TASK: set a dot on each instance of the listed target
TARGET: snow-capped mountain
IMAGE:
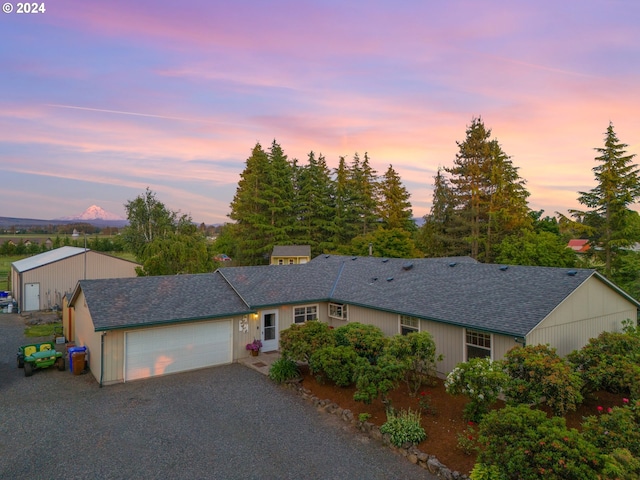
(94, 212)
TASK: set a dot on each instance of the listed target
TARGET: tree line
(480, 209)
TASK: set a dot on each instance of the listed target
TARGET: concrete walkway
(262, 362)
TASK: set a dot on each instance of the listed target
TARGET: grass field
(5, 268)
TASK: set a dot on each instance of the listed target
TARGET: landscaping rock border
(410, 452)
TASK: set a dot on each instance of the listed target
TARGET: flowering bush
(610, 362)
(256, 345)
(522, 443)
(424, 400)
(539, 375)
(618, 427)
(468, 440)
(481, 380)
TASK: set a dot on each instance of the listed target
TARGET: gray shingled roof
(291, 251)
(130, 302)
(458, 291)
(273, 285)
(482, 296)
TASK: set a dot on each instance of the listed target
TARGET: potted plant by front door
(254, 347)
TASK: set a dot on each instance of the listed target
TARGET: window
(478, 344)
(280, 261)
(338, 310)
(304, 314)
(409, 324)
(291, 262)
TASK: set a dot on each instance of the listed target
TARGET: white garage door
(162, 350)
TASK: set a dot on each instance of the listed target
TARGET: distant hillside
(23, 223)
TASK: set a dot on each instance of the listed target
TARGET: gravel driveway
(226, 422)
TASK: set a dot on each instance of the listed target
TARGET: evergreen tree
(364, 188)
(394, 209)
(439, 236)
(263, 206)
(344, 218)
(618, 186)
(250, 210)
(489, 197)
(315, 207)
(279, 193)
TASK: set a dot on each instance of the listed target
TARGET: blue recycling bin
(76, 350)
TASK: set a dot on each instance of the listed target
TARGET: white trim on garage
(152, 352)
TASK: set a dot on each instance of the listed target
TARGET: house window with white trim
(478, 344)
(338, 310)
(305, 313)
(409, 324)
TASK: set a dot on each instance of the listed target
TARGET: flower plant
(255, 346)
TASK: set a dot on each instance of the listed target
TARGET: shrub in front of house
(615, 427)
(523, 443)
(404, 428)
(367, 340)
(300, 341)
(336, 364)
(417, 351)
(610, 362)
(538, 375)
(283, 370)
(480, 379)
(377, 380)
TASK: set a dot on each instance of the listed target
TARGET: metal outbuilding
(41, 281)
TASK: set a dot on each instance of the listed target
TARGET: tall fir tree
(618, 186)
(279, 192)
(250, 208)
(364, 187)
(490, 199)
(343, 227)
(315, 206)
(438, 235)
(394, 207)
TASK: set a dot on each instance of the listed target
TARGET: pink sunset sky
(101, 99)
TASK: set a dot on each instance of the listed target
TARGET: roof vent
(572, 273)
(504, 268)
(327, 256)
(453, 264)
(407, 266)
(389, 279)
(385, 260)
(354, 258)
(374, 279)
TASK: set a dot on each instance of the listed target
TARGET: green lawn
(5, 268)
(44, 330)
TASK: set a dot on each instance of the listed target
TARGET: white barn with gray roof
(148, 326)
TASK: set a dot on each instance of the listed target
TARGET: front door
(269, 330)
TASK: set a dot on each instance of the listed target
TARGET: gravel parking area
(226, 422)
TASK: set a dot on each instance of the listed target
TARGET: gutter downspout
(102, 357)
